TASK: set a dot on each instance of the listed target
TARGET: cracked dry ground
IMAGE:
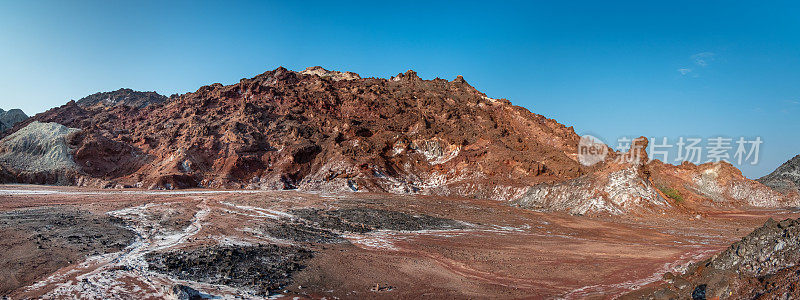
(69, 242)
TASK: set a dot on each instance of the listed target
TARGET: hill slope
(763, 265)
(786, 178)
(284, 129)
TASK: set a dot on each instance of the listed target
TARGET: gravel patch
(362, 220)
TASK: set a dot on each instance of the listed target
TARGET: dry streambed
(202, 247)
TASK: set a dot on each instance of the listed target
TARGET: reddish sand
(505, 252)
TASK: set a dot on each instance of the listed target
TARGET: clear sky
(668, 68)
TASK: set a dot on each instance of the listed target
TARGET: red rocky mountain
(285, 129)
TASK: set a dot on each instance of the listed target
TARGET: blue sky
(672, 68)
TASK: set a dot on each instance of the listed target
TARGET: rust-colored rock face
(321, 130)
(718, 184)
(324, 130)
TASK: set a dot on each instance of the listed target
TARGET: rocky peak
(335, 75)
(122, 97)
(409, 75)
(638, 150)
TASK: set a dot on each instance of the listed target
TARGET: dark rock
(699, 293)
(263, 269)
(361, 220)
(299, 232)
(786, 178)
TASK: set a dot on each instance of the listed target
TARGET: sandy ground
(499, 252)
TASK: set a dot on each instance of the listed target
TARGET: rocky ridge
(335, 75)
(620, 184)
(9, 118)
(122, 97)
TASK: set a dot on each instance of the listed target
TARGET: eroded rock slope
(321, 130)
